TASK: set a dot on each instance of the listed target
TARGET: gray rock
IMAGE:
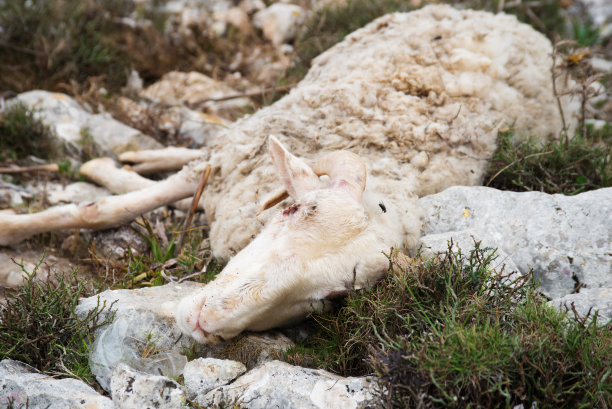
(12, 196)
(280, 385)
(77, 192)
(71, 123)
(195, 89)
(22, 386)
(113, 244)
(598, 298)
(12, 274)
(133, 389)
(143, 333)
(204, 374)
(600, 13)
(559, 237)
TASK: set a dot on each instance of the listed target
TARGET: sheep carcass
(420, 96)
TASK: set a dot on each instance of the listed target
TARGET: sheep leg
(104, 213)
(104, 172)
(167, 159)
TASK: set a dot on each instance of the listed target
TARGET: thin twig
(514, 162)
(35, 168)
(554, 84)
(245, 94)
(192, 209)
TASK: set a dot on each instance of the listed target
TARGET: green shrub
(22, 134)
(39, 326)
(447, 332)
(43, 43)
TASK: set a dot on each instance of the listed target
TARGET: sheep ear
(296, 175)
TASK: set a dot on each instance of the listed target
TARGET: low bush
(23, 134)
(449, 332)
(39, 325)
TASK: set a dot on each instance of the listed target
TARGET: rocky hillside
(490, 138)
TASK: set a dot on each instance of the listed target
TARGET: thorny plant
(450, 332)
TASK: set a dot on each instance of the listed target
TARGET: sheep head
(330, 241)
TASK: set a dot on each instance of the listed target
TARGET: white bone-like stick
(104, 172)
(158, 160)
(104, 213)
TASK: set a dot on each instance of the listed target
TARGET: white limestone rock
(204, 374)
(12, 274)
(144, 318)
(193, 89)
(132, 389)
(557, 236)
(599, 299)
(77, 192)
(70, 122)
(22, 386)
(280, 385)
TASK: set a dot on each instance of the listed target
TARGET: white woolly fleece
(419, 95)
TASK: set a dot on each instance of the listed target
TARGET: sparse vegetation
(164, 263)
(44, 43)
(39, 325)
(444, 332)
(23, 134)
(568, 166)
(448, 332)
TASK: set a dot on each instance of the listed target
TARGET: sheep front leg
(104, 172)
(166, 159)
(104, 213)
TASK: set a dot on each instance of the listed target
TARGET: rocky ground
(566, 241)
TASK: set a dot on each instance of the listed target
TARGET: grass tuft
(39, 325)
(568, 166)
(163, 262)
(23, 134)
(447, 332)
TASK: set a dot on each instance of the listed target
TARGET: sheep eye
(383, 207)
